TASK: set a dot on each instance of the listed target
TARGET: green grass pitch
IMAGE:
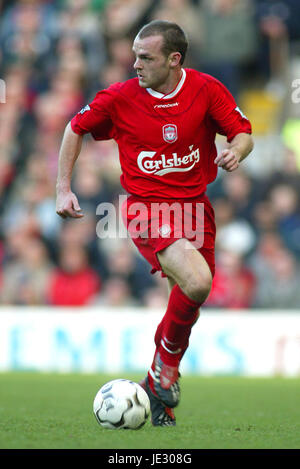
(54, 411)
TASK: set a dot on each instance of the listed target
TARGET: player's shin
(181, 315)
(171, 339)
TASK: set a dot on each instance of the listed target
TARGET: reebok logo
(166, 105)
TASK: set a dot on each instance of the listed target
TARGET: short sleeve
(96, 117)
(224, 111)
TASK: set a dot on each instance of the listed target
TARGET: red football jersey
(166, 142)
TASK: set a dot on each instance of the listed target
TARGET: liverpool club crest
(170, 133)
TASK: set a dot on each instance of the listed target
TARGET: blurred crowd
(54, 57)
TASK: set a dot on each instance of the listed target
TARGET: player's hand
(227, 160)
(67, 205)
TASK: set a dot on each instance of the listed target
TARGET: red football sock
(173, 332)
(182, 312)
(158, 337)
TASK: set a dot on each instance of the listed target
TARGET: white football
(121, 403)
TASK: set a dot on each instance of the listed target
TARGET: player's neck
(171, 83)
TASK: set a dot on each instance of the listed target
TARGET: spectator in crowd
(122, 19)
(285, 201)
(124, 263)
(15, 127)
(82, 232)
(264, 218)
(241, 192)
(188, 15)
(156, 296)
(229, 40)
(32, 207)
(234, 283)
(112, 72)
(80, 34)
(269, 244)
(26, 275)
(74, 282)
(120, 52)
(91, 188)
(224, 211)
(233, 233)
(289, 173)
(278, 275)
(6, 175)
(27, 33)
(116, 293)
(278, 24)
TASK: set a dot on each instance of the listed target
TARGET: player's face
(152, 66)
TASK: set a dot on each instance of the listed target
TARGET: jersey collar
(157, 94)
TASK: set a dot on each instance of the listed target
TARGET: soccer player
(165, 122)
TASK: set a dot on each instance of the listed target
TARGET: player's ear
(174, 59)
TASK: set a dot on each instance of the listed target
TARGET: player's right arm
(66, 201)
(94, 118)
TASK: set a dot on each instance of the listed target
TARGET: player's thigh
(185, 265)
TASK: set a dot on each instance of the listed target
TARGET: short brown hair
(174, 37)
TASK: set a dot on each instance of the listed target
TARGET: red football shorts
(155, 224)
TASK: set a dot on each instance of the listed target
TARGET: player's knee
(199, 287)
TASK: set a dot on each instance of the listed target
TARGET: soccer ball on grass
(121, 404)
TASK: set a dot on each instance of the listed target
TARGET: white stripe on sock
(168, 341)
(151, 372)
(168, 350)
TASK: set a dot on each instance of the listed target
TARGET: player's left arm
(230, 121)
(238, 149)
